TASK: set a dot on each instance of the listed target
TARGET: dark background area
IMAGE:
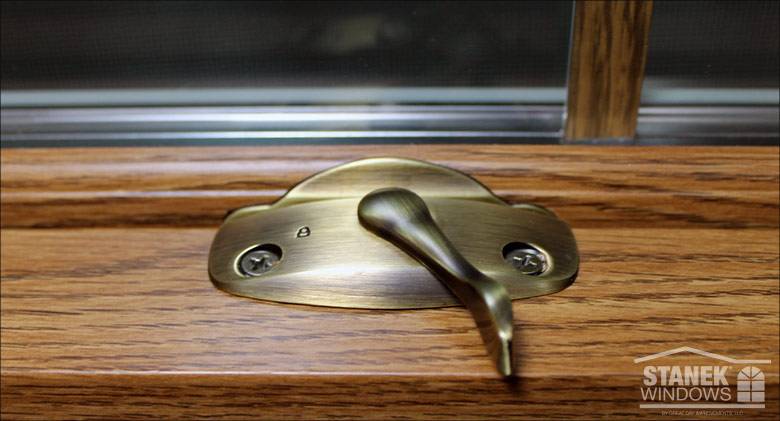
(82, 45)
(718, 44)
(49, 45)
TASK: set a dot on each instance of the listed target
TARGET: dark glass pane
(89, 45)
(713, 44)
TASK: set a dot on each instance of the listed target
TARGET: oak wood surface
(109, 313)
(607, 63)
(588, 186)
(107, 323)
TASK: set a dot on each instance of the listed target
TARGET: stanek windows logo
(701, 386)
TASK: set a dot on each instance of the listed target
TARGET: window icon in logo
(750, 385)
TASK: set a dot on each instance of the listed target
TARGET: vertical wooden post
(609, 45)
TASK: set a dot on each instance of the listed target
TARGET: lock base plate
(328, 259)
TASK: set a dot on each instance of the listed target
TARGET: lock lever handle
(401, 217)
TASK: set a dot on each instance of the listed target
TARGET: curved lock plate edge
(346, 178)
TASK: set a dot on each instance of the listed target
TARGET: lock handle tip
(402, 217)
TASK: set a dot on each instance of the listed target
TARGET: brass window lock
(388, 233)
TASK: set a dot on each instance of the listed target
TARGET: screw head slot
(526, 258)
(259, 260)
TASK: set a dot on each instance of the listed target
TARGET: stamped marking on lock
(303, 232)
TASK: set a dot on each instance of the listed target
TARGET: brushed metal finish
(338, 263)
(401, 217)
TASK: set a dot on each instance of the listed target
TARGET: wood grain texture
(607, 63)
(108, 323)
(119, 321)
(588, 186)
